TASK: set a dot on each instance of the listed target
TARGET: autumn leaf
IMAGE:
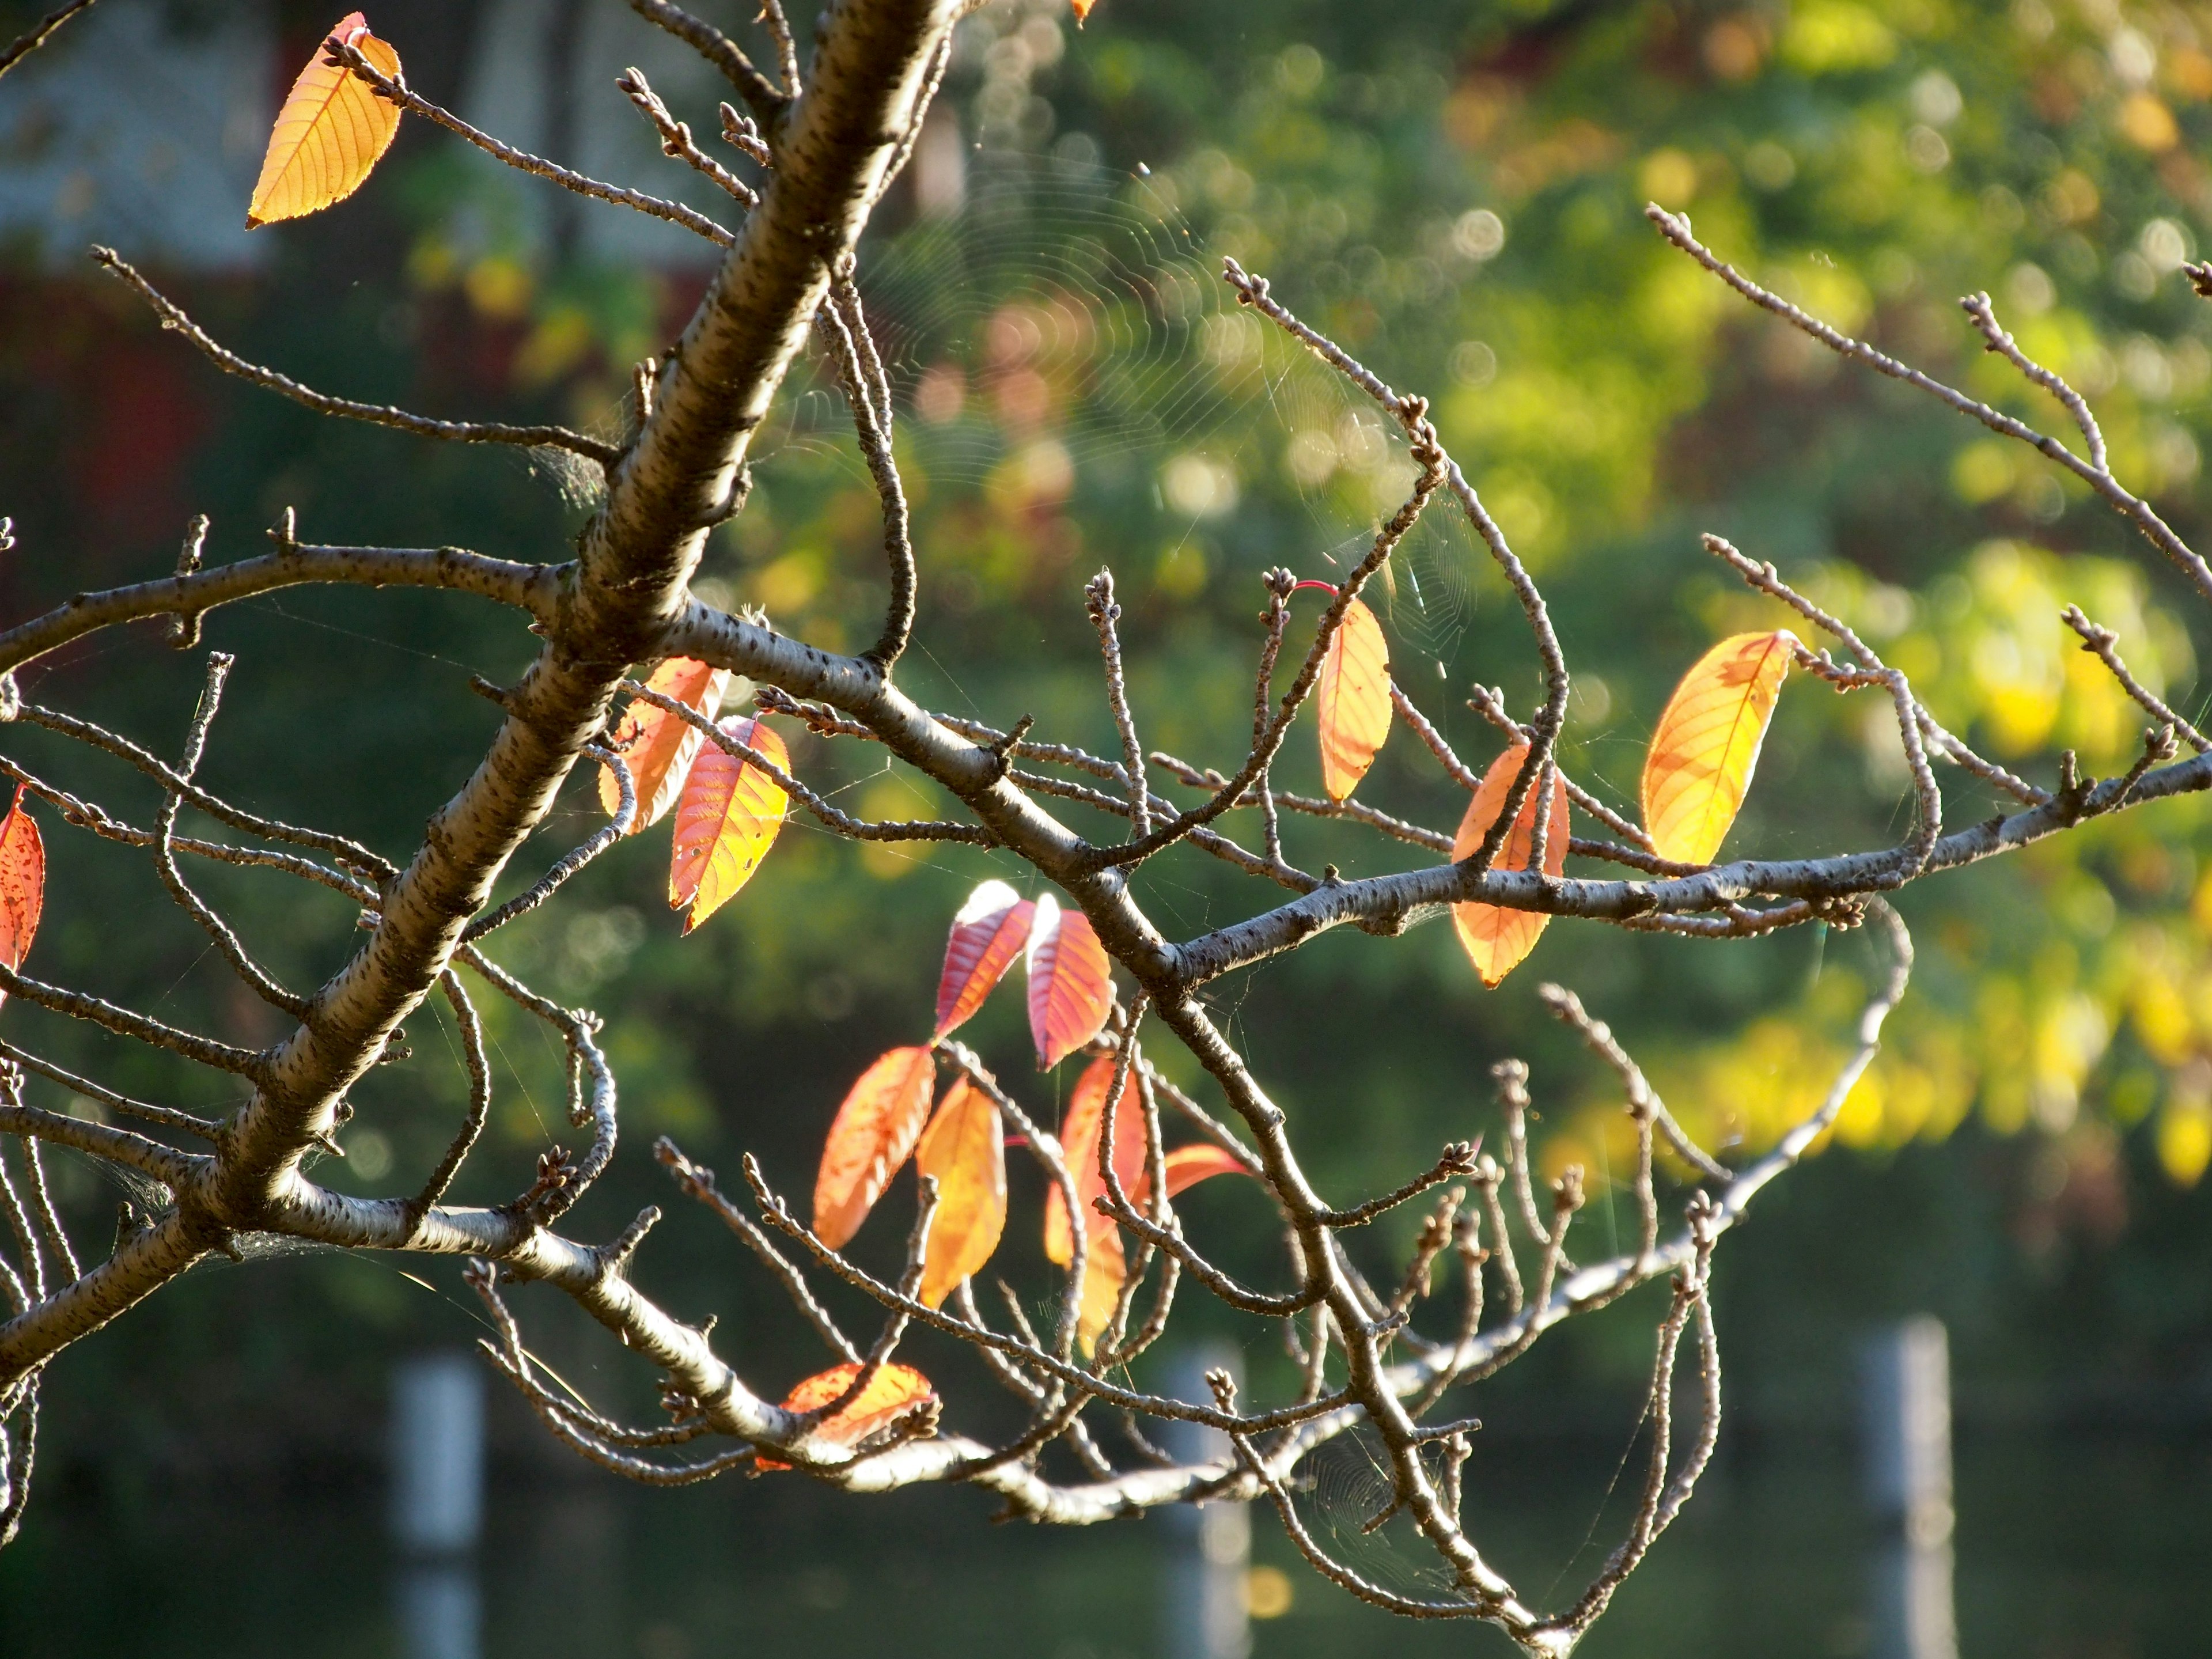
(1071, 981)
(1082, 8)
(1185, 1167)
(875, 1129)
(964, 1147)
(1079, 1144)
(726, 820)
(1495, 939)
(1707, 744)
(659, 747)
(987, 936)
(1104, 1269)
(891, 1392)
(330, 133)
(1353, 700)
(22, 882)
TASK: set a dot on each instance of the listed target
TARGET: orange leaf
(22, 882)
(659, 747)
(891, 1392)
(1353, 700)
(1104, 1269)
(1707, 744)
(1079, 1144)
(727, 819)
(1495, 938)
(330, 133)
(987, 936)
(1071, 983)
(875, 1129)
(965, 1148)
(1082, 10)
(1185, 1167)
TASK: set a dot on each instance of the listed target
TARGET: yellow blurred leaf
(1496, 939)
(1104, 1269)
(330, 133)
(2184, 1140)
(1352, 698)
(1707, 744)
(964, 1148)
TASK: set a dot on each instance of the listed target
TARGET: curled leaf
(964, 1148)
(892, 1392)
(1071, 981)
(1353, 697)
(987, 934)
(1105, 1269)
(22, 882)
(1185, 1167)
(1707, 744)
(659, 747)
(875, 1129)
(728, 817)
(330, 133)
(1495, 938)
(1078, 1143)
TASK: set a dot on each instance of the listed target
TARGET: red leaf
(1078, 1143)
(987, 936)
(874, 1131)
(659, 747)
(22, 882)
(729, 816)
(1186, 1166)
(1495, 939)
(1071, 983)
(891, 1392)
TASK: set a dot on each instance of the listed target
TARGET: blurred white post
(1906, 1397)
(437, 1503)
(1209, 1546)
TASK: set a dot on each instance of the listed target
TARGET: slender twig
(38, 33)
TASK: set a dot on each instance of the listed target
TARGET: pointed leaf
(875, 1129)
(1104, 1269)
(658, 746)
(728, 817)
(1353, 699)
(1707, 742)
(1185, 1167)
(22, 882)
(1079, 1144)
(1495, 938)
(1071, 983)
(331, 131)
(987, 934)
(964, 1147)
(891, 1392)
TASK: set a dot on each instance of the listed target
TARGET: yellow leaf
(1353, 700)
(1707, 744)
(2184, 1140)
(965, 1149)
(1104, 1269)
(728, 818)
(876, 1127)
(1495, 939)
(330, 133)
(659, 747)
(1079, 1144)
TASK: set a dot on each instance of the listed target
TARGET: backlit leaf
(891, 1392)
(725, 821)
(1495, 938)
(1082, 8)
(987, 934)
(964, 1147)
(659, 747)
(1104, 1269)
(1079, 1144)
(1071, 981)
(1707, 742)
(1185, 1167)
(331, 131)
(1353, 700)
(22, 882)
(875, 1129)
